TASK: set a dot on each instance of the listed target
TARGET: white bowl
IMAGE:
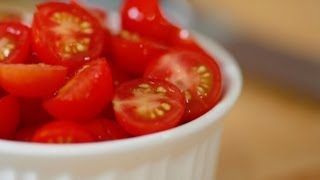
(188, 152)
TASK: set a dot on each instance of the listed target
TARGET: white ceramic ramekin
(188, 152)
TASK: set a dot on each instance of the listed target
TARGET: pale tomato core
(6, 47)
(69, 27)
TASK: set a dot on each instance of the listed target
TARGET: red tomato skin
(132, 52)
(137, 124)
(85, 94)
(32, 80)
(21, 35)
(106, 130)
(62, 132)
(185, 61)
(44, 38)
(9, 116)
(145, 17)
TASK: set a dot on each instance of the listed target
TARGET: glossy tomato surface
(85, 94)
(9, 116)
(144, 106)
(32, 80)
(15, 41)
(197, 76)
(66, 34)
(132, 52)
(146, 18)
(62, 132)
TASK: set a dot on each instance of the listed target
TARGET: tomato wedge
(9, 116)
(62, 132)
(197, 76)
(66, 34)
(15, 40)
(85, 95)
(145, 17)
(132, 52)
(106, 130)
(32, 80)
(144, 106)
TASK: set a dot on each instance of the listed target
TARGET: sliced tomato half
(146, 18)
(196, 75)
(62, 132)
(9, 116)
(32, 80)
(15, 41)
(132, 52)
(66, 34)
(144, 106)
(85, 95)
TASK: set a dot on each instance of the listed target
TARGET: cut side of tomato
(85, 95)
(9, 116)
(62, 132)
(106, 130)
(32, 80)
(145, 17)
(132, 52)
(15, 41)
(197, 76)
(66, 34)
(144, 106)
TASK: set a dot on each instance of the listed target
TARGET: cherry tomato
(85, 95)
(144, 106)
(106, 130)
(132, 52)
(32, 112)
(25, 134)
(66, 34)
(62, 132)
(15, 41)
(145, 17)
(197, 76)
(9, 116)
(32, 80)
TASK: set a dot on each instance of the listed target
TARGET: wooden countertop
(271, 134)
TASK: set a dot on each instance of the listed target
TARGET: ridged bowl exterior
(188, 152)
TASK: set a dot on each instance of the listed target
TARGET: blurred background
(273, 133)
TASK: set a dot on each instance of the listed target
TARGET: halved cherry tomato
(9, 116)
(15, 40)
(32, 80)
(197, 76)
(62, 132)
(66, 34)
(106, 130)
(145, 17)
(132, 52)
(85, 95)
(144, 106)
(32, 112)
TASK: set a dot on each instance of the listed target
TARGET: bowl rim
(232, 76)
